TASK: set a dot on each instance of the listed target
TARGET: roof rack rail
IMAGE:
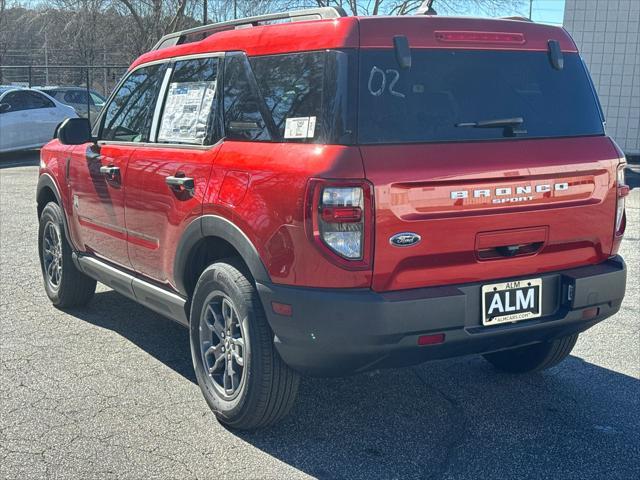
(198, 33)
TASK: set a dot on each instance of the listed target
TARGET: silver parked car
(79, 98)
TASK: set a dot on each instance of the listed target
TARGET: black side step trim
(157, 299)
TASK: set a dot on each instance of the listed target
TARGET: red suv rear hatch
(567, 220)
(495, 159)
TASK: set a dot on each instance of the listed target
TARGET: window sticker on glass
(186, 112)
(300, 127)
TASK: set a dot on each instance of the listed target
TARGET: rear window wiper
(508, 124)
(495, 123)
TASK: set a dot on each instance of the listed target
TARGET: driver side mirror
(4, 107)
(74, 131)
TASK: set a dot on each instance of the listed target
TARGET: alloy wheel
(52, 255)
(223, 345)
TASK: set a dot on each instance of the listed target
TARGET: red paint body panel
(413, 194)
(364, 32)
(378, 32)
(271, 212)
(96, 204)
(270, 39)
(156, 215)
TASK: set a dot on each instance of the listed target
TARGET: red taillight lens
(622, 190)
(340, 220)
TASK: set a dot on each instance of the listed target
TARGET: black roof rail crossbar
(203, 31)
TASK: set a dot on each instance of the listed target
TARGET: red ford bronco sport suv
(311, 193)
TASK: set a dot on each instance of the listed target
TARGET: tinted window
(243, 112)
(128, 117)
(26, 100)
(188, 113)
(444, 92)
(298, 97)
(76, 96)
(51, 93)
(292, 87)
(36, 100)
(97, 99)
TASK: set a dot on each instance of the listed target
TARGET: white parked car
(28, 118)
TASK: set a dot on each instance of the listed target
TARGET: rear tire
(533, 358)
(241, 375)
(66, 286)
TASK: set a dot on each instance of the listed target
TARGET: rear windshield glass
(460, 95)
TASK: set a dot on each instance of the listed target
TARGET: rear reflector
(282, 309)
(590, 312)
(481, 37)
(431, 339)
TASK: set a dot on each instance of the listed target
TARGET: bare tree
(154, 18)
(406, 7)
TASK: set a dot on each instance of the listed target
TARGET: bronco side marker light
(431, 339)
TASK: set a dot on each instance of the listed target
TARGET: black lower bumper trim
(341, 332)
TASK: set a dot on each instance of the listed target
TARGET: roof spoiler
(198, 33)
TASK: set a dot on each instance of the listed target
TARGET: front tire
(66, 286)
(242, 377)
(533, 358)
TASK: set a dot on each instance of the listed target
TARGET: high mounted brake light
(479, 37)
(339, 220)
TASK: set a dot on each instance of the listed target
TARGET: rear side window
(297, 97)
(292, 87)
(189, 107)
(76, 96)
(246, 117)
(454, 95)
(51, 93)
(129, 114)
(36, 100)
(26, 100)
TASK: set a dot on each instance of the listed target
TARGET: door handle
(180, 183)
(110, 172)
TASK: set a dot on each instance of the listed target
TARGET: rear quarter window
(296, 97)
(292, 87)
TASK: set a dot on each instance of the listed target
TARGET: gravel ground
(109, 392)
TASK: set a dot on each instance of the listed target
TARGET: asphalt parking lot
(109, 392)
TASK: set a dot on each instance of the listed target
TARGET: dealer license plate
(511, 301)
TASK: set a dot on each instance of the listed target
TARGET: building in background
(607, 35)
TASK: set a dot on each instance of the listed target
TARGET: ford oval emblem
(405, 239)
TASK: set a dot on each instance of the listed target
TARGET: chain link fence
(84, 87)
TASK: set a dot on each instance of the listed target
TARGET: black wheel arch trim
(46, 181)
(220, 227)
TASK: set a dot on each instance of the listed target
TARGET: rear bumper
(340, 332)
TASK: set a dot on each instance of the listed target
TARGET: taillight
(622, 190)
(340, 221)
